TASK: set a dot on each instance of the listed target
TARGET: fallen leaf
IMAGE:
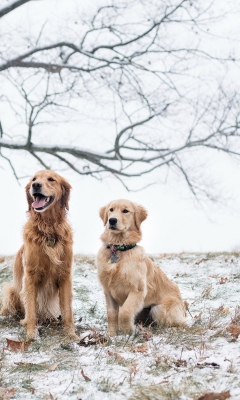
(142, 348)
(87, 379)
(51, 396)
(199, 262)
(223, 311)
(6, 394)
(14, 345)
(53, 366)
(90, 337)
(234, 329)
(147, 335)
(215, 396)
(116, 355)
(198, 315)
(133, 370)
(180, 363)
(207, 364)
(223, 280)
(23, 364)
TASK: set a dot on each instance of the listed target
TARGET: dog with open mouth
(133, 285)
(42, 274)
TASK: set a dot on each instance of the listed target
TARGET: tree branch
(12, 7)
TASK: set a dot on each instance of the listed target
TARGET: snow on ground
(154, 363)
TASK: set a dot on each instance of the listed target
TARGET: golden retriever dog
(130, 279)
(42, 275)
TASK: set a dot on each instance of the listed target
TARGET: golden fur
(134, 282)
(42, 275)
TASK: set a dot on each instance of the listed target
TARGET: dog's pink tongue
(39, 202)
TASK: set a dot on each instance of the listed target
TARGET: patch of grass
(168, 366)
(156, 392)
(83, 259)
(106, 385)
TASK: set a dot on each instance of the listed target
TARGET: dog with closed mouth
(131, 281)
(42, 274)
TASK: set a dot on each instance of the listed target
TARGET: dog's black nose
(36, 186)
(112, 221)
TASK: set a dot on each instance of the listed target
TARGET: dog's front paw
(4, 311)
(23, 321)
(71, 336)
(127, 330)
(125, 324)
(112, 332)
(32, 335)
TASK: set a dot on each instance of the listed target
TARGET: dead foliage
(180, 363)
(6, 394)
(52, 397)
(197, 316)
(222, 310)
(208, 364)
(91, 337)
(53, 366)
(223, 280)
(215, 396)
(87, 379)
(141, 348)
(234, 330)
(15, 345)
(200, 261)
(116, 355)
(236, 318)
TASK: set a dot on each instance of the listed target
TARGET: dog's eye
(33, 179)
(125, 211)
(51, 179)
(111, 209)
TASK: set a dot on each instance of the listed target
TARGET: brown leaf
(116, 355)
(215, 396)
(223, 280)
(222, 310)
(142, 348)
(51, 396)
(234, 329)
(147, 335)
(23, 364)
(15, 345)
(198, 315)
(53, 366)
(200, 261)
(87, 379)
(6, 394)
(90, 337)
(207, 364)
(180, 363)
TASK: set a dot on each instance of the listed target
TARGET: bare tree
(148, 69)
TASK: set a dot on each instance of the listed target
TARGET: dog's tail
(11, 303)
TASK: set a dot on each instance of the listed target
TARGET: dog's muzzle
(112, 223)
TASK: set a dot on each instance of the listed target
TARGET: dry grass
(154, 363)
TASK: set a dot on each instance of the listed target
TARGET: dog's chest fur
(119, 278)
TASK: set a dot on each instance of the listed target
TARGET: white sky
(175, 222)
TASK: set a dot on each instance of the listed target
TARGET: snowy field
(154, 363)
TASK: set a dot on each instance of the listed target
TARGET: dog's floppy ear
(66, 188)
(103, 214)
(29, 197)
(140, 215)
